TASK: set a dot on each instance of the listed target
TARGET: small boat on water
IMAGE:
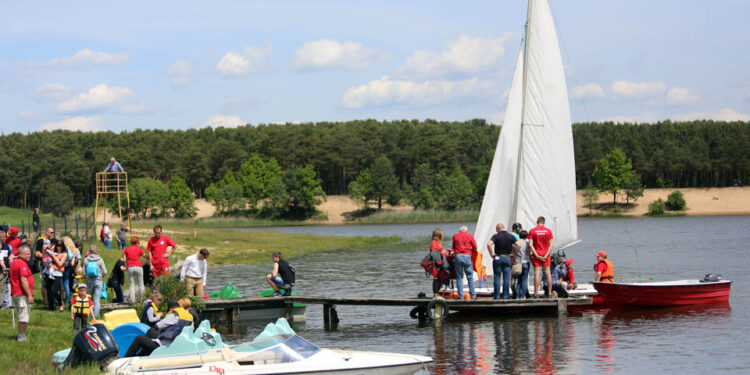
(664, 293)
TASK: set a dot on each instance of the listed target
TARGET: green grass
(667, 214)
(605, 215)
(420, 216)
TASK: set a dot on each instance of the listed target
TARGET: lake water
(684, 340)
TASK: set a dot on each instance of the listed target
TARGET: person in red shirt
(543, 242)
(464, 246)
(157, 246)
(133, 254)
(13, 239)
(22, 289)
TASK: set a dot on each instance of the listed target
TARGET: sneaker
(276, 294)
(287, 292)
(21, 338)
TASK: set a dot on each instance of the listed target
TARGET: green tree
(255, 176)
(300, 193)
(360, 189)
(58, 198)
(634, 189)
(384, 182)
(590, 196)
(454, 191)
(676, 201)
(226, 195)
(147, 196)
(614, 172)
(181, 199)
(421, 192)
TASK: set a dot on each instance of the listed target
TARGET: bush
(172, 289)
(675, 201)
(656, 208)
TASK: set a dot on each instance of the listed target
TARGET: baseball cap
(13, 230)
(601, 254)
(83, 286)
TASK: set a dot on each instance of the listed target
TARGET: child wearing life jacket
(80, 308)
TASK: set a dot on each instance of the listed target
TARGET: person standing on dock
(543, 241)
(605, 271)
(502, 246)
(157, 247)
(464, 246)
(195, 270)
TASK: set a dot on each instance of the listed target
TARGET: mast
(519, 170)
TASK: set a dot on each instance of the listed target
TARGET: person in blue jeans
(522, 287)
(464, 246)
(502, 246)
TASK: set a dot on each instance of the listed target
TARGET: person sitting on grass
(282, 276)
(80, 309)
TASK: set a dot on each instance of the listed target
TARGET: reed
(420, 216)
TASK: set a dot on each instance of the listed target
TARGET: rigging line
(566, 56)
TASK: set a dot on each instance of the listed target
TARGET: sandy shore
(700, 202)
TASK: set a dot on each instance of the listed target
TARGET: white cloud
(401, 92)
(636, 90)
(87, 58)
(462, 56)
(234, 64)
(327, 53)
(79, 123)
(725, 114)
(99, 98)
(681, 95)
(181, 72)
(633, 119)
(56, 91)
(226, 121)
(592, 90)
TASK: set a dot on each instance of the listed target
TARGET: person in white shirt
(195, 270)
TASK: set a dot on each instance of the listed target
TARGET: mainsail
(533, 171)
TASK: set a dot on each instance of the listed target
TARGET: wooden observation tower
(112, 183)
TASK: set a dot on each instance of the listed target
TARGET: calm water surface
(684, 340)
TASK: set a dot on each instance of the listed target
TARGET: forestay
(533, 171)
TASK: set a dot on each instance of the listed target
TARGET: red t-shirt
(133, 256)
(19, 269)
(541, 236)
(15, 243)
(464, 243)
(601, 267)
(158, 247)
(436, 245)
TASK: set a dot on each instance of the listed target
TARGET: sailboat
(533, 170)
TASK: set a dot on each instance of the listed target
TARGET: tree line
(433, 162)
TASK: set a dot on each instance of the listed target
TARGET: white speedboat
(284, 353)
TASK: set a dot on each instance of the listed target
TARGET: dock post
(327, 315)
(562, 306)
(288, 312)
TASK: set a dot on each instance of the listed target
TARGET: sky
(103, 65)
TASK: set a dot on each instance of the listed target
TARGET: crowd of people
(513, 255)
(77, 280)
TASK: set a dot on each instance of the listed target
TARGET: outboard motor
(712, 278)
(92, 344)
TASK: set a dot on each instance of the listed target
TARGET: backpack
(92, 269)
(101, 234)
(437, 265)
(292, 274)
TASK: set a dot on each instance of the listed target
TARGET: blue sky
(184, 64)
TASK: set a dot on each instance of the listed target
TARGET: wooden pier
(228, 310)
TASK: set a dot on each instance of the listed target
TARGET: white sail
(533, 171)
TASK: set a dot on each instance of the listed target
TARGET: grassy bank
(420, 216)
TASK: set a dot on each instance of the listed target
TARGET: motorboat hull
(664, 294)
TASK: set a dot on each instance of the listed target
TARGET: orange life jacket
(608, 276)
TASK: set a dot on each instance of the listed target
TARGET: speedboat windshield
(293, 349)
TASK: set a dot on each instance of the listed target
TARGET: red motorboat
(664, 293)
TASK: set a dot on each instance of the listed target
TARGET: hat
(82, 286)
(568, 262)
(13, 230)
(601, 254)
(172, 304)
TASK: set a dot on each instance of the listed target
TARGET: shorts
(278, 281)
(160, 267)
(21, 304)
(537, 263)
